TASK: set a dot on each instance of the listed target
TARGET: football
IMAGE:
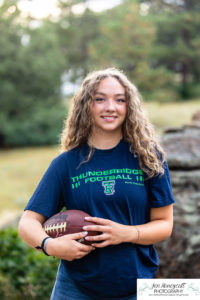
(67, 222)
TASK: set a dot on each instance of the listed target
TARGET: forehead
(110, 84)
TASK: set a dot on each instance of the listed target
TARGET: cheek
(124, 111)
(95, 110)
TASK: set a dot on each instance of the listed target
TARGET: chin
(111, 129)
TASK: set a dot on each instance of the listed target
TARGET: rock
(196, 118)
(181, 178)
(180, 254)
(182, 147)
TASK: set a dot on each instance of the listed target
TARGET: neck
(104, 141)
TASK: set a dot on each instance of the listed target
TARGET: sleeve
(160, 189)
(47, 198)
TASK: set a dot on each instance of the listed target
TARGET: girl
(113, 168)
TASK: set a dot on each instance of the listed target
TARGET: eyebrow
(103, 94)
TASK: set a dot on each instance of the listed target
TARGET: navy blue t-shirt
(110, 185)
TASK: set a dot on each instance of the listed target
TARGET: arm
(65, 247)
(159, 228)
(30, 228)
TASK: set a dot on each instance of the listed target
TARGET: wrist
(129, 234)
(133, 234)
(49, 247)
(43, 245)
(45, 242)
(138, 235)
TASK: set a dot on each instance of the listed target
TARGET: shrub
(24, 272)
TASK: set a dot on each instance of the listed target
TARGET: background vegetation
(24, 272)
(156, 43)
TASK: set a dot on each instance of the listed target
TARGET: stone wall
(180, 254)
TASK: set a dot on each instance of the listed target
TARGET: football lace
(55, 227)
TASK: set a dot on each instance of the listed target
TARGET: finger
(82, 254)
(83, 247)
(98, 220)
(100, 237)
(88, 249)
(79, 255)
(101, 245)
(97, 228)
(77, 236)
(87, 252)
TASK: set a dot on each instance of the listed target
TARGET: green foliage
(125, 40)
(31, 109)
(41, 127)
(24, 273)
(156, 43)
(177, 43)
(76, 32)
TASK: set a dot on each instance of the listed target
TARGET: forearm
(149, 233)
(157, 229)
(31, 231)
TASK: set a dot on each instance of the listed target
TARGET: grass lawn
(22, 169)
(20, 172)
(175, 114)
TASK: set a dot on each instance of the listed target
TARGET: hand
(112, 233)
(66, 247)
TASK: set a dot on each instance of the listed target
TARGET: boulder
(182, 146)
(180, 254)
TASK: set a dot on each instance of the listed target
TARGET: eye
(121, 100)
(99, 99)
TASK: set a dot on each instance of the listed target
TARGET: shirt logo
(109, 187)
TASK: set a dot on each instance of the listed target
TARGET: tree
(177, 41)
(76, 31)
(126, 42)
(31, 110)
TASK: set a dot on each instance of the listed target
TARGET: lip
(109, 118)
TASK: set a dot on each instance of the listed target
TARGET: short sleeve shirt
(110, 185)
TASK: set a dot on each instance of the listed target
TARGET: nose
(110, 105)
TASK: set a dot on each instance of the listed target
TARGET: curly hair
(136, 129)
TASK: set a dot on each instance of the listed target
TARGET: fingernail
(84, 227)
(85, 233)
(87, 218)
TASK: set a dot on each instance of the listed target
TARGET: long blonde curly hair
(136, 129)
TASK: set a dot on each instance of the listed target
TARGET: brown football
(67, 222)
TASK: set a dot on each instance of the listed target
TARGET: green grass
(22, 169)
(20, 172)
(175, 114)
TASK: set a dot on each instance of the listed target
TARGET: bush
(41, 127)
(163, 96)
(24, 272)
(189, 90)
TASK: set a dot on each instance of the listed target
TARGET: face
(109, 106)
